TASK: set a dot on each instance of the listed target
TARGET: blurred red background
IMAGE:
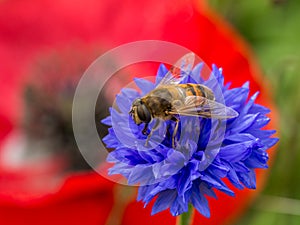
(64, 33)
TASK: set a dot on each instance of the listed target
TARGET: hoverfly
(170, 99)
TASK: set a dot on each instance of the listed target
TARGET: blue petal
(227, 86)
(233, 177)
(151, 156)
(165, 200)
(218, 169)
(141, 174)
(260, 122)
(125, 155)
(261, 134)
(216, 183)
(184, 182)
(206, 190)
(179, 206)
(144, 191)
(107, 121)
(237, 152)
(240, 137)
(249, 104)
(204, 133)
(123, 103)
(130, 93)
(236, 96)
(167, 184)
(269, 142)
(120, 168)
(248, 179)
(144, 85)
(218, 74)
(173, 163)
(243, 122)
(196, 73)
(240, 167)
(162, 71)
(257, 162)
(213, 84)
(110, 140)
(259, 108)
(199, 201)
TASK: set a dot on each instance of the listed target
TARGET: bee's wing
(183, 65)
(203, 107)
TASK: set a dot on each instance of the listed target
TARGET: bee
(170, 99)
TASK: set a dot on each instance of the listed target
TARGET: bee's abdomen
(197, 90)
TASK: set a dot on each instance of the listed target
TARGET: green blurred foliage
(272, 28)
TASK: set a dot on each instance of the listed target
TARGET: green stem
(186, 218)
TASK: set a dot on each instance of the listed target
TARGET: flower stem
(186, 218)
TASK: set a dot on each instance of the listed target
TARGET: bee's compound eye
(143, 113)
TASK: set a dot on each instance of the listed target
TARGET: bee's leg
(144, 131)
(175, 131)
(154, 128)
(219, 124)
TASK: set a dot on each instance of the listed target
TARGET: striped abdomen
(196, 90)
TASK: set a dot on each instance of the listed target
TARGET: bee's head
(139, 112)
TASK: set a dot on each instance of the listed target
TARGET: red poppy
(29, 29)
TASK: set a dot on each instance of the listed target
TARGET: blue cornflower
(207, 150)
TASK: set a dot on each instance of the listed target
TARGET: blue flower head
(207, 150)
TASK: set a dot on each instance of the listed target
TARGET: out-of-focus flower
(32, 29)
(184, 174)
